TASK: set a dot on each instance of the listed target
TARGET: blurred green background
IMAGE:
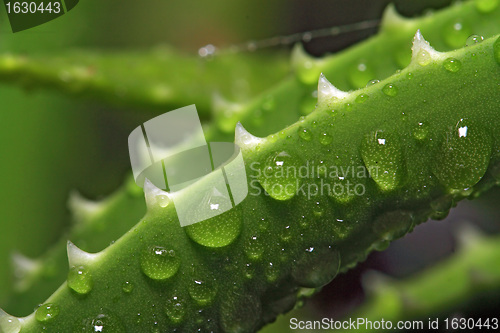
(51, 143)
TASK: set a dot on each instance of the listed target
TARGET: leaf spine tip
(221, 104)
(23, 266)
(300, 56)
(9, 323)
(77, 256)
(154, 194)
(468, 235)
(422, 51)
(372, 281)
(392, 18)
(327, 91)
(81, 207)
(243, 138)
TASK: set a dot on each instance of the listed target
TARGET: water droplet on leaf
(420, 132)
(473, 40)
(271, 272)
(218, 231)
(254, 247)
(382, 155)
(80, 280)
(423, 58)
(163, 200)
(316, 266)
(46, 312)
(305, 134)
(279, 175)
(127, 287)
(362, 98)
(452, 65)
(390, 90)
(102, 323)
(249, 271)
(175, 309)
(463, 157)
(325, 139)
(202, 291)
(159, 263)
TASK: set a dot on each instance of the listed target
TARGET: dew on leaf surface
(316, 266)
(279, 175)
(159, 263)
(452, 65)
(390, 90)
(46, 312)
(80, 280)
(383, 157)
(463, 157)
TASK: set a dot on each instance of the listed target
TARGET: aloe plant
(469, 276)
(404, 161)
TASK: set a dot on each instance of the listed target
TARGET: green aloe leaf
(300, 87)
(468, 274)
(158, 79)
(418, 141)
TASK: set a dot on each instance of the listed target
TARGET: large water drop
(316, 266)
(463, 156)
(383, 157)
(279, 176)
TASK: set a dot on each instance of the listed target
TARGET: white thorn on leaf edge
(8, 323)
(78, 257)
(243, 138)
(82, 207)
(222, 105)
(422, 51)
(300, 57)
(373, 281)
(468, 235)
(23, 266)
(154, 195)
(327, 91)
(391, 17)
